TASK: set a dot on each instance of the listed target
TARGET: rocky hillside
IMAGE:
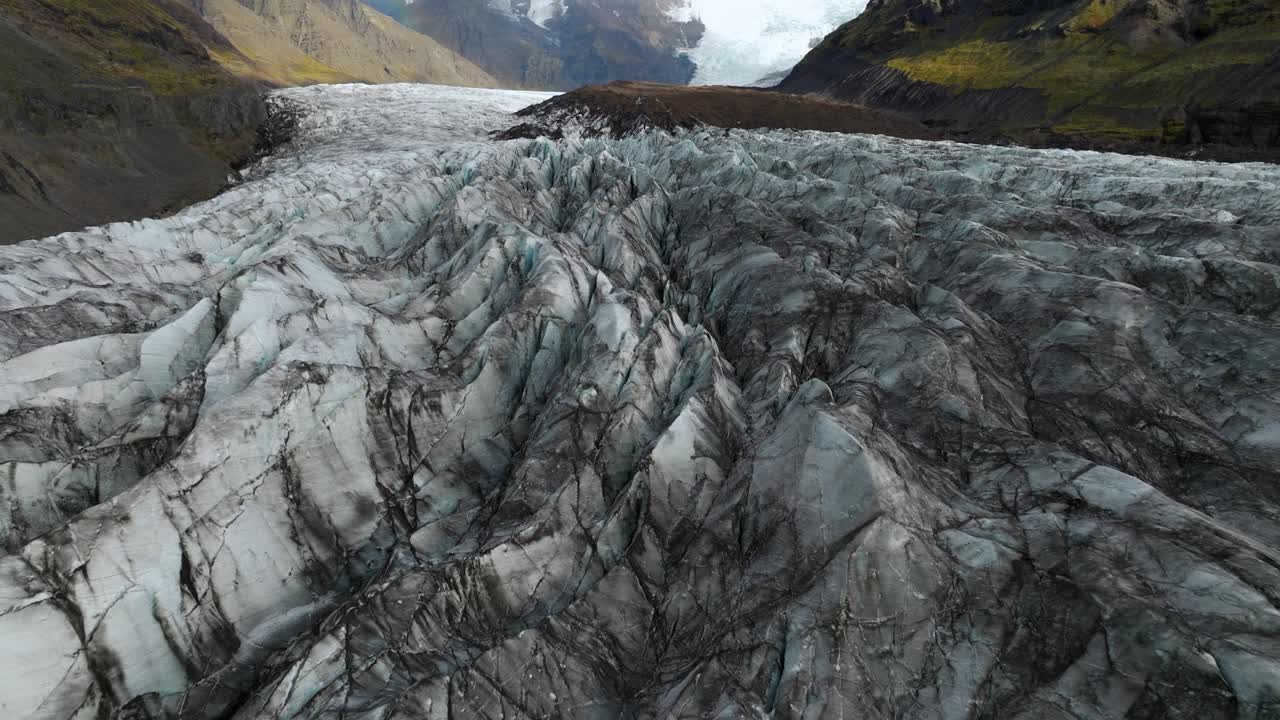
(113, 109)
(1100, 72)
(560, 44)
(298, 42)
(120, 109)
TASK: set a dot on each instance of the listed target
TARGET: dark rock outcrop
(622, 108)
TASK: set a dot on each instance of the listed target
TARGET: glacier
(757, 42)
(415, 423)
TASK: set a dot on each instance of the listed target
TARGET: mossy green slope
(111, 110)
(160, 43)
(1170, 71)
(305, 42)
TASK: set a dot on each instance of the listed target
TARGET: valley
(641, 359)
(706, 423)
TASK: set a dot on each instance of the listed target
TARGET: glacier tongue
(723, 424)
(750, 42)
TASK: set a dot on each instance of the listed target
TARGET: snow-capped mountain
(747, 41)
(560, 44)
(539, 12)
(716, 424)
(568, 43)
(744, 41)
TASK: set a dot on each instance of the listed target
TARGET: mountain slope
(297, 42)
(113, 109)
(1105, 71)
(562, 44)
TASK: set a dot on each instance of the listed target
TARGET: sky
(749, 39)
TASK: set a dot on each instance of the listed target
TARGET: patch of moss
(1194, 69)
(1102, 127)
(161, 75)
(1096, 15)
(974, 65)
(1067, 72)
(305, 71)
(1173, 131)
(126, 39)
(1088, 68)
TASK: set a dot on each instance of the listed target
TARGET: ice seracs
(540, 12)
(417, 424)
(749, 42)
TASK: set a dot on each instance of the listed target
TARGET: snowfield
(728, 424)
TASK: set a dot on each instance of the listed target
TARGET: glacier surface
(725, 424)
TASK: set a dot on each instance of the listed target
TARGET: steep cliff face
(1096, 71)
(562, 44)
(113, 109)
(294, 42)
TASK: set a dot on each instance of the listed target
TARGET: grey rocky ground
(717, 425)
